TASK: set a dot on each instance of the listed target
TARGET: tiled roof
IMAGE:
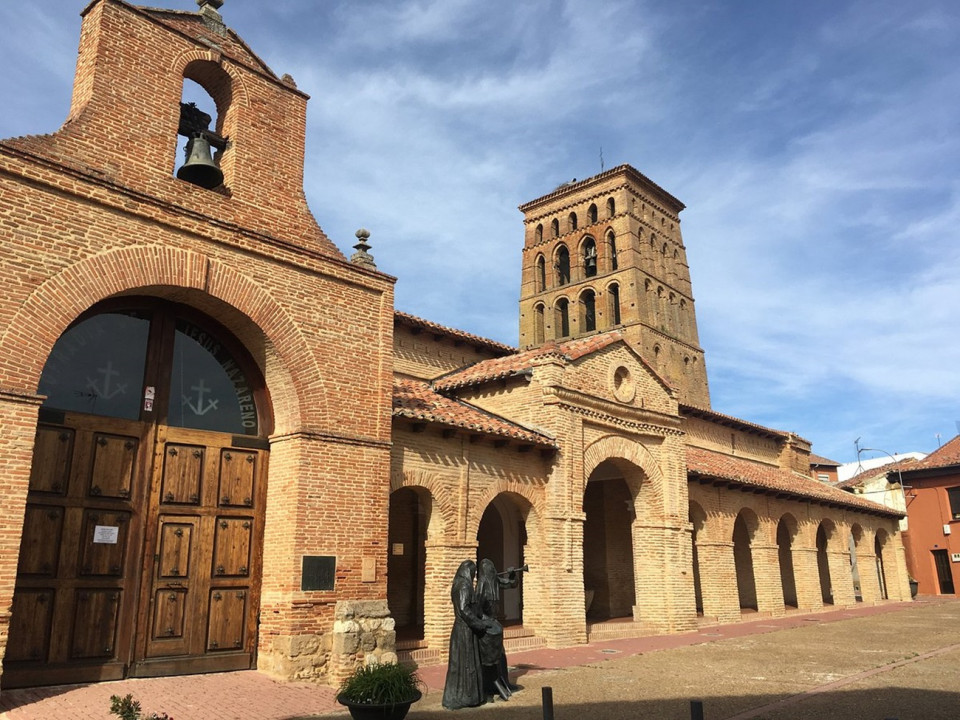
(711, 464)
(903, 465)
(944, 456)
(421, 324)
(416, 400)
(822, 461)
(498, 368)
(731, 421)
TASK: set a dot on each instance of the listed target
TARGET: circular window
(624, 388)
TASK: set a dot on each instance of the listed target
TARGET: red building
(932, 541)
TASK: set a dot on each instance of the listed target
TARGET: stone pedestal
(363, 633)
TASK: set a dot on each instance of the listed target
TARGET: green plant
(381, 684)
(126, 708)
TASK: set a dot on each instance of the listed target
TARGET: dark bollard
(548, 703)
(696, 710)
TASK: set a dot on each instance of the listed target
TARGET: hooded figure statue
(492, 656)
(464, 683)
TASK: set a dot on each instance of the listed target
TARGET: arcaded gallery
(197, 478)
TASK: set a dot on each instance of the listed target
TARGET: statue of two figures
(477, 668)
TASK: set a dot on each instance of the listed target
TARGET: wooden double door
(141, 548)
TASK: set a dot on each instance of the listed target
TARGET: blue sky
(815, 145)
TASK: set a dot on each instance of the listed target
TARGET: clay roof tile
(416, 400)
(498, 368)
(740, 471)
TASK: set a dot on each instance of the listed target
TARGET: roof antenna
(856, 444)
(601, 165)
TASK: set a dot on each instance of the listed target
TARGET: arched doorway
(786, 531)
(142, 539)
(502, 538)
(698, 519)
(743, 529)
(878, 546)
(823, 564)
(856, 535)
(407, 559)
(608, 573)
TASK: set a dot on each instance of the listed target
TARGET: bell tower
(606, 253)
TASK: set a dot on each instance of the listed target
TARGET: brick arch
(856, 530)
(618, 447)
(752, 521)
(532, 496)
(237, 87)
(698, 518)
(443, 517)
(56, 303)
(792, 526)
(836, 540)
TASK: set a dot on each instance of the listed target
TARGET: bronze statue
(492, 655)
(477, 666)
(464, 684)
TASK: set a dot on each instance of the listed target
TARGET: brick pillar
(663, 578)
(841, 577)
(18, 426)
(895, 566)
(807, 577)
(867, 567)
(718, 581)
(766, 573)
(443, 559)
(298, 628)
(563, 619)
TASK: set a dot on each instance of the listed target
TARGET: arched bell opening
(409, 518)
(608, 558)
(142, 542)
(205, 118)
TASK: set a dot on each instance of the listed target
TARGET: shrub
(381, 684)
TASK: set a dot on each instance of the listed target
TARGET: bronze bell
(200, 168)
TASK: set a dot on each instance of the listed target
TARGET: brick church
(223, 448)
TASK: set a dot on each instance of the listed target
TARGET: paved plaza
(893, 661)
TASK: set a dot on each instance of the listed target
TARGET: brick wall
(94, 211)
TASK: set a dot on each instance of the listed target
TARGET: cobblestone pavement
(897, 660)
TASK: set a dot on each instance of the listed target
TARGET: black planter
(387, 711)
(914, 586)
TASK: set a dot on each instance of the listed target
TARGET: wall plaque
(318, 573)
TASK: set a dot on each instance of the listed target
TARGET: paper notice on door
(106, 534)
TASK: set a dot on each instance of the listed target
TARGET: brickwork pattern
(86, 216)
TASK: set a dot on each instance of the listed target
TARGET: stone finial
(211, 17)
(361, 256)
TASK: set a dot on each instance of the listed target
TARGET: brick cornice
(22, 397)
(611, 413)
(320, 436)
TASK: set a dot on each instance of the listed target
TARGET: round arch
(443, 516)
(167, 273)
(617, 447)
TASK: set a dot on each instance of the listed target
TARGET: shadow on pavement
(879, 704)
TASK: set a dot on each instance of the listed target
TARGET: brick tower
(606, 253)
